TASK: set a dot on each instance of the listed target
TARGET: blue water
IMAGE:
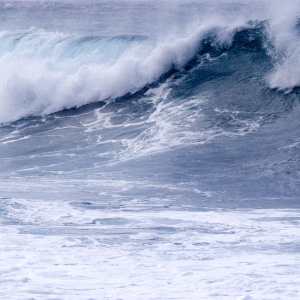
(147, 145)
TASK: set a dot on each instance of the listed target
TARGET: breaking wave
(44, 72)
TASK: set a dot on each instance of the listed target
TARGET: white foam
(170, 124)
(138, 252)
(285, 46)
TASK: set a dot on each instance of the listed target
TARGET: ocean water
(149, 149)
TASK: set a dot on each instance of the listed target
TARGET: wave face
(146, 144)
